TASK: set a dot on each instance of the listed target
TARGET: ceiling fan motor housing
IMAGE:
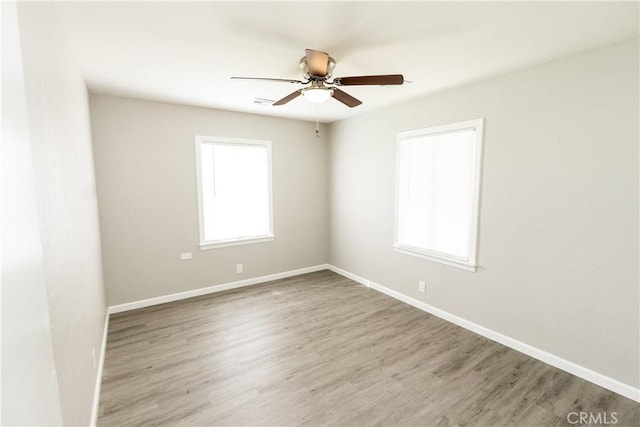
(304, 65)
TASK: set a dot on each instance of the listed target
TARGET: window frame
(214, 244)
(469, 264)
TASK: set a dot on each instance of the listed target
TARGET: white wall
(558, 248)
(29, 381)
(58, 154)
(145, 166)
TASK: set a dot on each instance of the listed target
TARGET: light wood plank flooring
(319, 349)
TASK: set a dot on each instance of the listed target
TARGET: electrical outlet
(238, 268)
(185, 255)
(422, 287)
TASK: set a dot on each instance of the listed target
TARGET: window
(234, 191)
(438, 184)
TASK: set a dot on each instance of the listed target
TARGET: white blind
(436, 192)
(235, 191)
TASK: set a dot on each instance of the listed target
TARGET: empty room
(320, 213)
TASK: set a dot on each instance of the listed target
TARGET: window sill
(452, 262)
(236, 242)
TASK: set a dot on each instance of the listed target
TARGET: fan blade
(268, 79)
(317, 62)
(345, 98)
(291, 96)
(382, 80)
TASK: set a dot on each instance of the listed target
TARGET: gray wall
(145, 166)
(558, 245)
(66, 264)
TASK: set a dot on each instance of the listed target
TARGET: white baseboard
(551, 359)
(212, 289)
(349, 275)
(96, 392)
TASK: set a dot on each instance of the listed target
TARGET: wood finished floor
(319, 349)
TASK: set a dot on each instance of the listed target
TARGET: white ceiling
(186, 52)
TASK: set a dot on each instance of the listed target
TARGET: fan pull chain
(317, 122)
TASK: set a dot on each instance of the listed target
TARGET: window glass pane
(235, 191)
(436, 192)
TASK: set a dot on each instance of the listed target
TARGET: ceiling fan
(317, 68)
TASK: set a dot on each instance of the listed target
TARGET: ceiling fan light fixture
(317, 95)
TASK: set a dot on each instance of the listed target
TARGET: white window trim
(214, 244)
(442, 258)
